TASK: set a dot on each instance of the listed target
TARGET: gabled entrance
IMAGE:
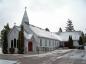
(30, 46)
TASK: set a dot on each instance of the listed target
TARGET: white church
(36, 38)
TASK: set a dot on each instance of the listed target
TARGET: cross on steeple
(14, 24)
(25, 7)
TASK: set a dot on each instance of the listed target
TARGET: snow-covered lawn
(7, 62)
(76, 54)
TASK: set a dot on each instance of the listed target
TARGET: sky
(52, 14)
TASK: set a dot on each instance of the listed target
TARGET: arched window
(11, 43)
(57, 43)
(15, 43)
(53, 43)
(49, 43)
(45, 42)
(40, 42)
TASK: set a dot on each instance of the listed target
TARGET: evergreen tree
(80, 41)
(60, 29)
(70, 26)
(4, 39)
(70, 42)
(47, 29)
(85, 39)
(21, 41)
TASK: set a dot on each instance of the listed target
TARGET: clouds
(45, 13)
(47, 4)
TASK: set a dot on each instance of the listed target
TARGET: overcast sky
(44, 13)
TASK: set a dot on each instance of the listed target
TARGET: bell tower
(25, 19)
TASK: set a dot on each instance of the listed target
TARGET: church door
(66, 44)
(30, 46)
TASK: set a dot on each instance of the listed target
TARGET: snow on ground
(7, 62)
(76, 54)
(49, 53)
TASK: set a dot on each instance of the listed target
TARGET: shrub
(21, 51)
(11, 50)
(5, 51)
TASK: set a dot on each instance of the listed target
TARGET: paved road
(56, 57)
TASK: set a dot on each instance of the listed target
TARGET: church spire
(25, 19)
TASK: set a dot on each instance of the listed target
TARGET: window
(49, 43)
(57, 43)
(11, 43)
(14, 42)
(40, 42)
(45, 42)
(17, 44)
(53, 43)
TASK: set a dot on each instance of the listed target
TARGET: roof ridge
(37, 27)
(70, 31)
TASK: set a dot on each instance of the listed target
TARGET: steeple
(25, 19)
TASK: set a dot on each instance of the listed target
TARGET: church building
(35, 39)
